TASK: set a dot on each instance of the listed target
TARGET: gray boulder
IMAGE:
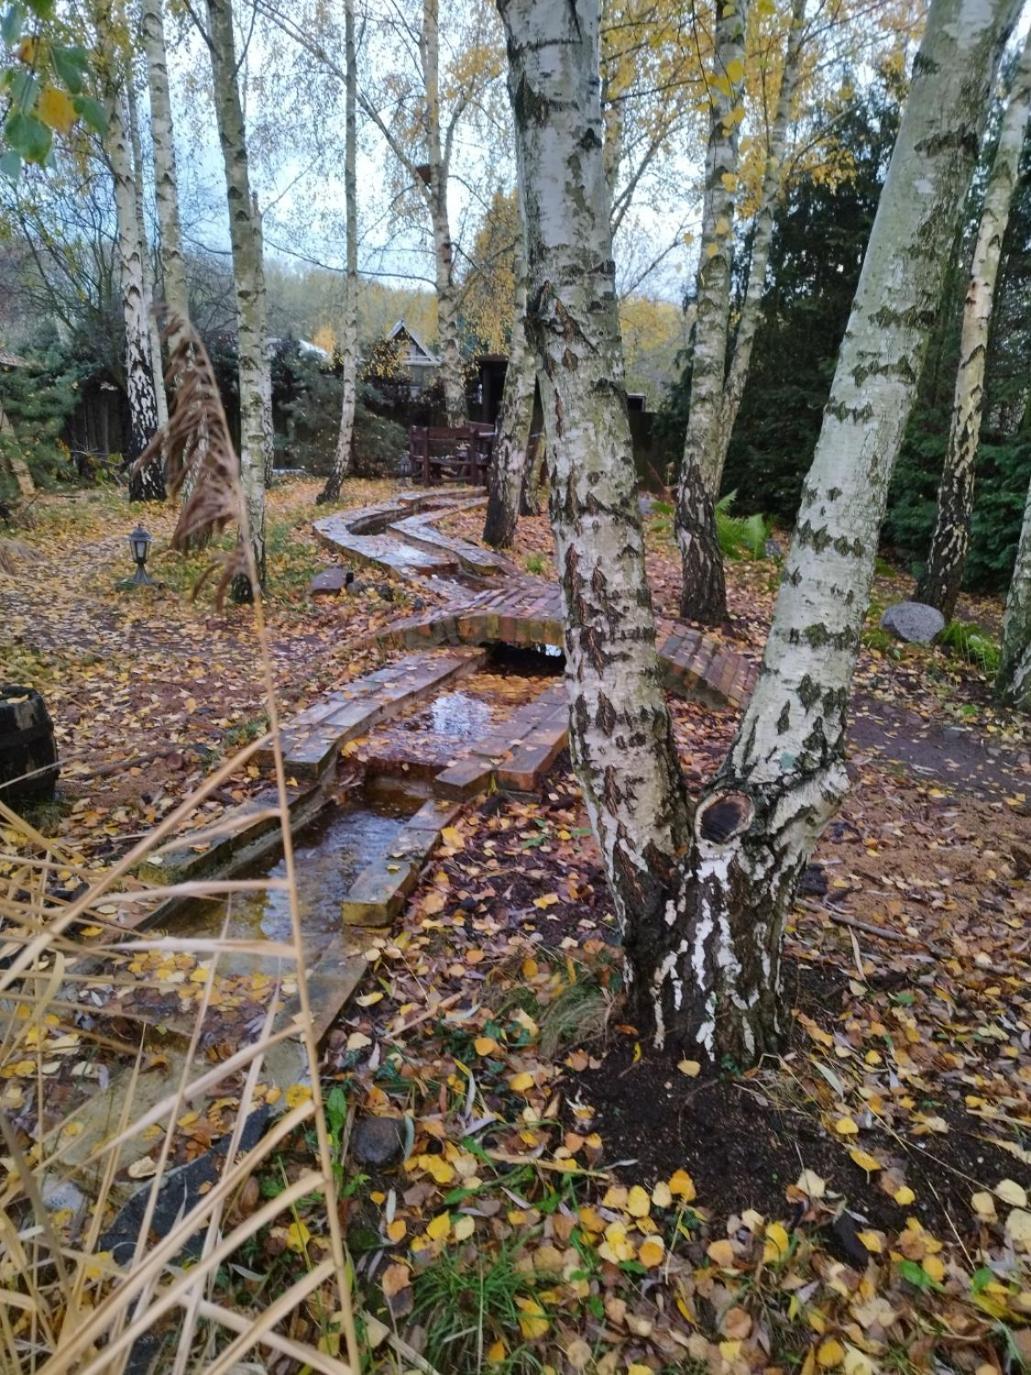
(915, 622)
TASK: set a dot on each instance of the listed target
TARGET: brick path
(520, 609)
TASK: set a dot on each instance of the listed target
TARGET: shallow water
(328, 855)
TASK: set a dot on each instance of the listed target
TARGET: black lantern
(139, 543)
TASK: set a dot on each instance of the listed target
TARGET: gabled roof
(419, 347)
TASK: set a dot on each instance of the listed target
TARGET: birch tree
(512, 441)
(166, 179)
(758, 262)
(245, 238)
(148, 483)
(153, 332)
(704, 597)
(701, 891)
(1013, 684)
(943, 576)
(349, 332)
(268, 434)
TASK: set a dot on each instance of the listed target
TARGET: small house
(414, 359)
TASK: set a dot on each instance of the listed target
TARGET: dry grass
(65, 1306)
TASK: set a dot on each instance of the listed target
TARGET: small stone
(378, 1140)
(61, 1194)
(813, 883)
(385, 591)
(772, 549)
(915, 622)
(418, 604)
(1021, 857)
(330, 582)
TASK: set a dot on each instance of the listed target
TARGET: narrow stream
(328, 855)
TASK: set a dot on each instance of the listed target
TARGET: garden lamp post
(139, 543)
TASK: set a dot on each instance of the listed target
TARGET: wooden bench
(442, 453)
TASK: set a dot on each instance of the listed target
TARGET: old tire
(28, 752)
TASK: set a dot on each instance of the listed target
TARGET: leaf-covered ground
(555, 1196)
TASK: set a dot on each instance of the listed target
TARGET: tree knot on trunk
(723, 817)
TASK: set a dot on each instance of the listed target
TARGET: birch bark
(148, 484)
(166, 184)
(512, 442)
(153, 333)
(762, 239)
(246, 245)
(1013, 684)
(349, 333)
(268, 433)
(451, 372)
(701, 895)
(712, 314)
(942, 578)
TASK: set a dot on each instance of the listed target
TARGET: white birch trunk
(268, 432)
(620, 732)
(148, 484)
(512, 438)
(153, 332)
(166, 184)
(1013, 684)
(451, 371)
(701, 900)
(943, 577)
(349, 333)
(703, 596)
(762, 239)
(246, 245)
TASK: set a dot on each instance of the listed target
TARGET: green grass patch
(969, 642)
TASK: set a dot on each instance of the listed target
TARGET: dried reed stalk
(63, 1308)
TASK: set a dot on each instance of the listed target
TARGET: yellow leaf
(546, 900)
(438, 1167)
(450, 835)
(297, 1236)
(297, 1094)
(984, 1206)
(1011, 1192)
(777, 1243)
(651, 1252)
(662, 1195)
(439, 1227)
(904, 1195)
(830, 1353)
(464, 1227)
(721, 1253)
(534, 1322)
(682, 1186)
(521, 1083)
(636, 1368)
(729, 180)
(485, 1045)
(845, 1126)
(692, 1068)
(638, 1203)
(143, 1168)
(735, 69)
(872, 1241)
(934, 1267)
(497, 1352)
(864, 1160)
(396, 1230)
(55, 109)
